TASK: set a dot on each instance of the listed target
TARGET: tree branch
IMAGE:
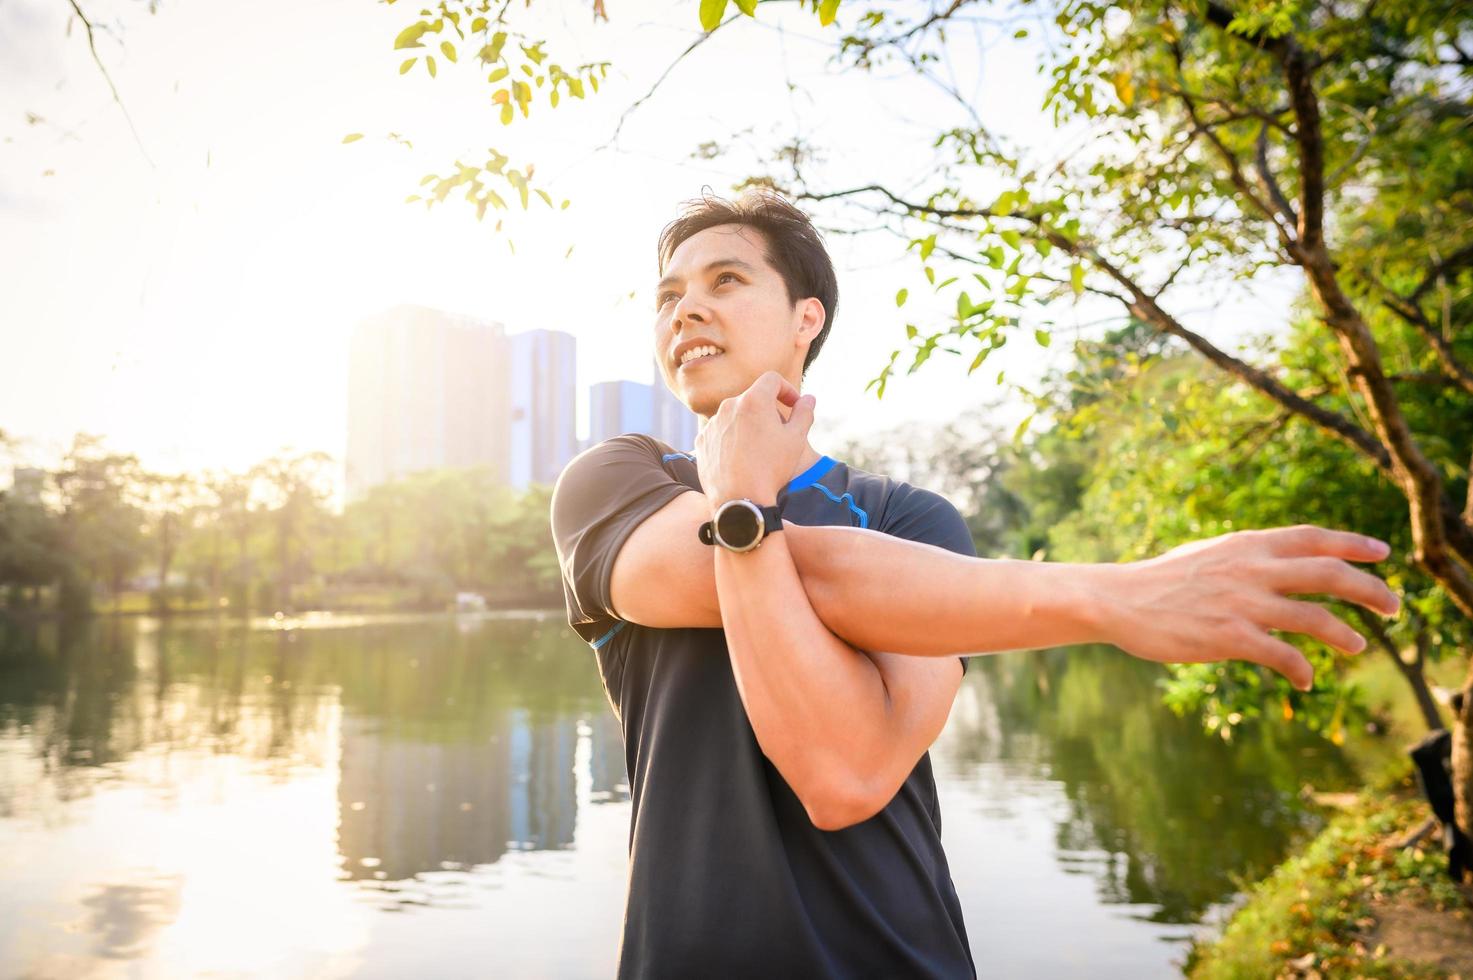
(92, 46)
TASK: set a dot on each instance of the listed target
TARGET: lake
(445, 796)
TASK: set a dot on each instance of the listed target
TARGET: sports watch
(741, 524)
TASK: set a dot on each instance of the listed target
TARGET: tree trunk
(1462, 729)
(1414, 672)
(1417, 680)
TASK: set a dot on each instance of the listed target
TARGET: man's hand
(1215, 599)
(749, 448)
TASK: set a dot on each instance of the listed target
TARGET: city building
(426, 389)
(674, 423)
(429, 389)
(616, 407)
(544, 405)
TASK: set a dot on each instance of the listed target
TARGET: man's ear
(813, 320)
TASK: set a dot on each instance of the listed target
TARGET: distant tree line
(78, 537)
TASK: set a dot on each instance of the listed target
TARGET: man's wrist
(1060, 603)
(761, 499)
(1088, 597)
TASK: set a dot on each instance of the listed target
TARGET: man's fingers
(1314, 620)
(1311, 539)
(1323, 575)
(803, 413)
(770, 384)
(1275, 654)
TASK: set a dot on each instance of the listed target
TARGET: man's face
(719, 289)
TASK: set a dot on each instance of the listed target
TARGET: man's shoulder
(896, 497)
(627, 447)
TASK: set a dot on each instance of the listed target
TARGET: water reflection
(200, 797)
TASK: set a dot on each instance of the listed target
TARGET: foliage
(1314, 909)
(1176, 452)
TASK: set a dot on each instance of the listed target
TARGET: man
(779, 677)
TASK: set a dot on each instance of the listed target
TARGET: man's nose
(682, 313)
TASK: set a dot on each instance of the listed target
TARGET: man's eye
(660, 301)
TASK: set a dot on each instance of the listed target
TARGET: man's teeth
(695, 352)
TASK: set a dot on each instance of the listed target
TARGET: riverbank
(1354, 902)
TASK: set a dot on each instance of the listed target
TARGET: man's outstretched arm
(1209, 600)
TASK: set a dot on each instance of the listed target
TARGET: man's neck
(809, 457)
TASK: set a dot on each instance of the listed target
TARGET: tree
(169, 500)
(101, 521)
(296, 488)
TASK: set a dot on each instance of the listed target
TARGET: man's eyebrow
(738, 263)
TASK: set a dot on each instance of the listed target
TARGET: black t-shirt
(728, 876)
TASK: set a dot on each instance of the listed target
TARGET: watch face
(737, 525)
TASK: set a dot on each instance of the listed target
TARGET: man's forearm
(880, 592)
(818, 708)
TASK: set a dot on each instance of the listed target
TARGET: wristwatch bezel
(759, 519)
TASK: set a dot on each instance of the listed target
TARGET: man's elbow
(843, 802)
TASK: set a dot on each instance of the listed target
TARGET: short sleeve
(600, 497)
(917, 514)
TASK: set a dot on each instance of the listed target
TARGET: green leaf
(927, 244)
(827, 11)
(407, 65)
(448, 50)
(981, 356)
(1013, 239)
(1076, 278)
(409, 37)
(430, 64)
(352, 137)
(910, 331)
(748, 7)
(1042, 336)
(492, 51)
(498, 74)
(1018, 433)
(999, 377)
(900, 297)
(930, 275)
(711, 11)
(963, 305)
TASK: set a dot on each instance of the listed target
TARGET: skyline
(260, 232)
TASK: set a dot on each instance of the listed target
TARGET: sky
(191, 298)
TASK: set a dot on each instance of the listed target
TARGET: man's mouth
(699, 355)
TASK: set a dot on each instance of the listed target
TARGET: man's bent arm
(843, 731)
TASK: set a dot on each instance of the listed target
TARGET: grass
(1319, 902)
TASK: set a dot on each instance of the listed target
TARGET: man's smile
(699, 356)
